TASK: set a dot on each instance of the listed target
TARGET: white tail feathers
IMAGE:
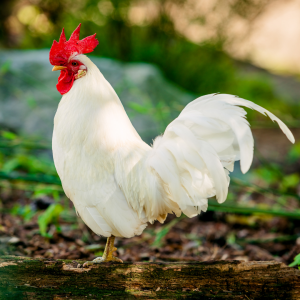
(198, 149)
(244, 133)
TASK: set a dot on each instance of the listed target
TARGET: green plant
(296, 261)
(163, 230)
(51, 215)
(26, 212)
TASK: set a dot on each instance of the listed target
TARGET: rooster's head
(63, 57)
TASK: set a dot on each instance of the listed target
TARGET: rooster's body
(117, 182)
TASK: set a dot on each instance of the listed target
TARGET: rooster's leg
(107, 255)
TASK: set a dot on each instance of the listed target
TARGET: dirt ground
(210, 236)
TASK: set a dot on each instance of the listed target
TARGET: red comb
(63, 49)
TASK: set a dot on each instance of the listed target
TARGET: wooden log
(43, 279)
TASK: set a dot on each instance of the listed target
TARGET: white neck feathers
(93, 110)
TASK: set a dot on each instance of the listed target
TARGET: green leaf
(231, 239)
(139, 108)
(296, 261)
(294, 153)
(97, 254)
(266, 174)
(8, 135)
(290, 181)
(162, 232)
(5, 67)
(46, 191)
(10, 165)
(49, 216)
(25, 212)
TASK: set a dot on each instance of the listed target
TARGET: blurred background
(158, 55)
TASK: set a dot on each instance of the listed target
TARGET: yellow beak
(58, 68)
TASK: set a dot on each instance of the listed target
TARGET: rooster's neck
(92, 113)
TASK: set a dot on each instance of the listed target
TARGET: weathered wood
(27, 278)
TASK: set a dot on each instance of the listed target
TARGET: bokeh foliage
(131, 30)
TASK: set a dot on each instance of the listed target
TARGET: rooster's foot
(99, 260)
(107, 255)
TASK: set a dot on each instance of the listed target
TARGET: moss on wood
(27, 278)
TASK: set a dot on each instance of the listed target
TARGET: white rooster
(116, 181)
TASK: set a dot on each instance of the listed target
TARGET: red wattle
(65, 81)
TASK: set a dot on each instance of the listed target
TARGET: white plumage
(118, 183)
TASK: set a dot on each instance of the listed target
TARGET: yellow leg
(107, 255)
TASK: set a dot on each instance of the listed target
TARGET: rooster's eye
(74, 63)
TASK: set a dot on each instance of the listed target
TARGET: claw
(117, 259)
(99, 260)
(87, 264)
(107, 255)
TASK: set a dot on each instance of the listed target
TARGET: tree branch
(27, 278)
